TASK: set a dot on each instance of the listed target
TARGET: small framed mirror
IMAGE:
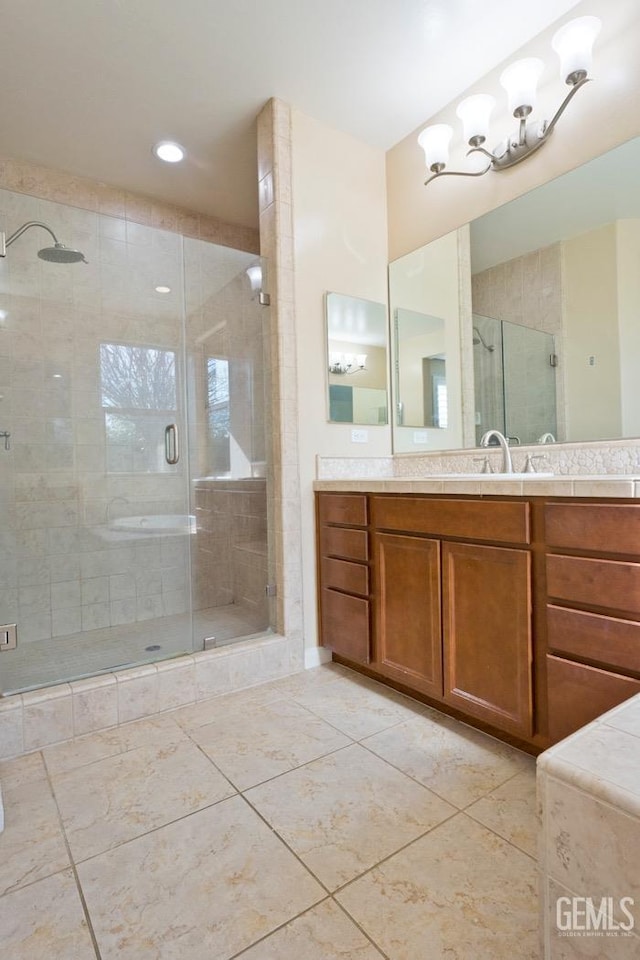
(357, 360)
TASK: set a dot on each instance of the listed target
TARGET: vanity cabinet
(344, 607)
(453, 619)
(521, 614)
(593, 610)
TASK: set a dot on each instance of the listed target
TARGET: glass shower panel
(488, 375)
(95, 525)
(227, 343)
(529, 383)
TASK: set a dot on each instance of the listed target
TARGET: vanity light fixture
(343, 363)
(574, 44)
(169, 151)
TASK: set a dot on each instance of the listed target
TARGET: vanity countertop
(531, 486)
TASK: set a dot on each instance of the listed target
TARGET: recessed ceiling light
(169, 151)
(57, 376)
(162, 289)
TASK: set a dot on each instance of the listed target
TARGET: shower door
(227, 338)
(94, 487)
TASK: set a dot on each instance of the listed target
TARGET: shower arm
(7, 241)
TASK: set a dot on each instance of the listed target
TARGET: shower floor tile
(346, 852)
(45, 662)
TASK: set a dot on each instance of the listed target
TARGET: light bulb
(435, 141)
(574, 45)
(169, 151)
(520, 80)
(361, 360)
(475, 113)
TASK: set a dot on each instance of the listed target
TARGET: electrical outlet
(359, 436)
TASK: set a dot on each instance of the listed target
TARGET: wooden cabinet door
(408, 639)
(487, 634)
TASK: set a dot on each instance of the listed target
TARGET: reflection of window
(218, 415)
(440, 402)
(139, 398)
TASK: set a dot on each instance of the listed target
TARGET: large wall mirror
(551, 345)
(357, 360)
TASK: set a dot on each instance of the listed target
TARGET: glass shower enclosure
(133, 520)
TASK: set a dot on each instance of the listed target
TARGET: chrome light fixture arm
(459, 173)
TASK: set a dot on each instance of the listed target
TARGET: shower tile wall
(62, 569)
(528, 291)
(231, 546)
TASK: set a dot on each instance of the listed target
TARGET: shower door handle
(171, 443)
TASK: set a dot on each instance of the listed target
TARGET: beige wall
(602, 116)
(590, 291)
(340, 232)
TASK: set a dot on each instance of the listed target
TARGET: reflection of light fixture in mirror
(573, 43)
(162, 288)
(342, 363)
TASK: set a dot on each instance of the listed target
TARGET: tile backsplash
(597, 458)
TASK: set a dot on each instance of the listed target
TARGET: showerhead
(61, 254)
(479, 339)
(56, 254)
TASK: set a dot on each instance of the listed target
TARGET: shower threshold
(43, 663)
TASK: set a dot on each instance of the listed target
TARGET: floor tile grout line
(289, 848)
(374, 866)
(357, 924)
(280, 926)
(431, 789)
(160, 826)
(72, 862)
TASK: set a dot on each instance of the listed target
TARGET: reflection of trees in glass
(218, 414)
(137, 377)
(138, 395)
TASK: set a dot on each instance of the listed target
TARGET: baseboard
(315, 656)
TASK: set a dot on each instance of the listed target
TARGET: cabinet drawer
(345, 625)
(340, 542)
(501, 521)
(343, 575)
(601, 583)
(343, 508)
(601, 527)
(578, 694)
(590, 636)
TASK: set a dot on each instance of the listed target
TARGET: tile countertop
(533, 486)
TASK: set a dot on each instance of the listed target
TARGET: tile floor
(319, 817)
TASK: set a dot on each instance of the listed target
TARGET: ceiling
(89, 87)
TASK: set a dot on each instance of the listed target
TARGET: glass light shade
(255, 276)
(475, 113)
(520, 80)
(574, 45)
(361, 360)
(435, 141)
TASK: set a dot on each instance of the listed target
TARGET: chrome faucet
(546, 438)
(507, 464)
